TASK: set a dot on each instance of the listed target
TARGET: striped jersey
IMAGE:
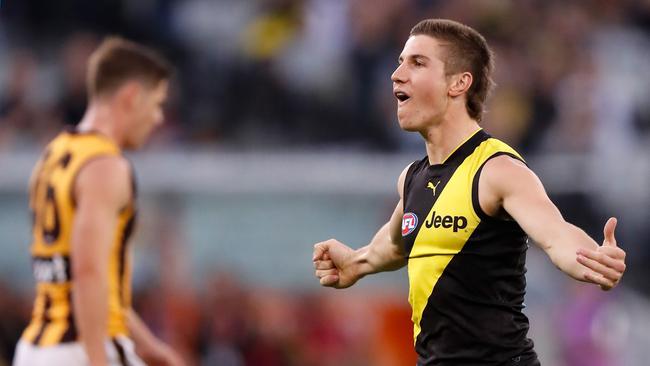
(52, 203)
(466, 269)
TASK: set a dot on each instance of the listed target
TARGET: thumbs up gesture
(606, 264)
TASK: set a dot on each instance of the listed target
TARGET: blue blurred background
(281, 132)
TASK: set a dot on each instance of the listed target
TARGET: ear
(460, 84)
(128, 95)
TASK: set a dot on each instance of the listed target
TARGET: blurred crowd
(231, 323)
(286, 73)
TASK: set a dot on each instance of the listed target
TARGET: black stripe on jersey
(421, 172)
(473, 315)
(134, 183)
(120, 353)
(46, 318)
(411, 205)
(70, 334)
(475, 202)
(126, 235)
(128, 231)
(65, 160)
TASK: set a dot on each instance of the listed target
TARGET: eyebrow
(416, 56)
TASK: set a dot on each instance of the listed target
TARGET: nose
(399, 75)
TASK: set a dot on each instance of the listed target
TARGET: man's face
(419, 84)
(147, 113)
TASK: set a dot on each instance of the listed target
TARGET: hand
(163, 355)
(334, 264)
(605, 265)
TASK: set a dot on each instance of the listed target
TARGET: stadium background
(281, 132)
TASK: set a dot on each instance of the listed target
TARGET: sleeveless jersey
(466, 269)
(52, 204)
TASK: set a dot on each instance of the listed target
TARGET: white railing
(297, 171)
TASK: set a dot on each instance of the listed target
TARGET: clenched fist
(335, 264)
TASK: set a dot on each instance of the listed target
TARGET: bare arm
(337, 265)
(507, 183)
(101, 189)
(150, 348)
(386, 250)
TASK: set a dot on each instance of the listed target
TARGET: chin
(409, 128)
(407, 125)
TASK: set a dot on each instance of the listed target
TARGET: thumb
(320, 250)
(610, 227)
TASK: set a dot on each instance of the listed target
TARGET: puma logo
(433, 187)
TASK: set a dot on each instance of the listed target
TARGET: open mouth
(401, 96)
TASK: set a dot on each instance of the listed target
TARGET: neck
(100, 117)
(443, 138)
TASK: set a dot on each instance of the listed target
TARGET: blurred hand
(334, 264)
(163, 355)
(605, 264)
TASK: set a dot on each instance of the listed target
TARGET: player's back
(52, 203)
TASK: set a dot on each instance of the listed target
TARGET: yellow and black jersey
(466, 269)
(52, 204)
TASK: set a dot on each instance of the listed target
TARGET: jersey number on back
(45, 210)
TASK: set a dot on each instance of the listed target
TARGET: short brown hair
(118, 60)
(467, 51)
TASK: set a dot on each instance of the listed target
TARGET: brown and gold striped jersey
(52, 204)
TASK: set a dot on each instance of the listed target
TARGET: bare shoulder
(105, 168)
(104, 177)
(503, 169)
(500, 178)
(401, 179)
(503, 174)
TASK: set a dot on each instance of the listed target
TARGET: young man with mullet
(464, 215)
(82, 197)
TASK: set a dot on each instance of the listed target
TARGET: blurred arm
(150, 348)
(101, 189)
(507, 183)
